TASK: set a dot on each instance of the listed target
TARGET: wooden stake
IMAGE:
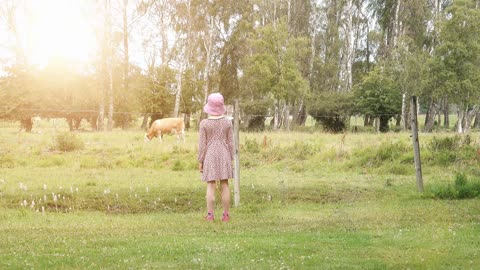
(416, 144)
(236, 138)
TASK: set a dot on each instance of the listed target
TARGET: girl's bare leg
(225, 195)
(210, 196)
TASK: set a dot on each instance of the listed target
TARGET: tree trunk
(126, 118)
(460, 120)
(276, 117)
(178, 94)
(349, 44)
(404, 116)
(185, 62)
(477, 121)
(469, 115)
(144, 122)
(286, 117)
(27, 124)
(208, 45)
(430, 117)
(109, 65)
(299, 115)
(446, 114)
(186, 120)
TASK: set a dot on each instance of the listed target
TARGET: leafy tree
(377, 96)
(457, 59)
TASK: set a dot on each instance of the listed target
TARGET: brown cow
(166, 126)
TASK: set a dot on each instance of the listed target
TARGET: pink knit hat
(215, 105)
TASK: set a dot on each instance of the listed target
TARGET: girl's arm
(202, 143)
(230, 141)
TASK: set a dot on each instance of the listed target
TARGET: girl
(215, 153)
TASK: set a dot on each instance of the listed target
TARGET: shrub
(446, 143)
(251, 146)
(178, 165)
(461, 189)
(68, 142)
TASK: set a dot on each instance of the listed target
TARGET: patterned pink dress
(215, 149)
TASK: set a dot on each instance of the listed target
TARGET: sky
(56, 29)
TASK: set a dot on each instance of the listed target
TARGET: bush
(448, 150)
(68, 142)
(251, 146)
(446, 143)
(178, 165)
(461, 189)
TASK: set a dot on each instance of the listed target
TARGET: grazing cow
(166, 126)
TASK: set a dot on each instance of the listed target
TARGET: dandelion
(23, 187)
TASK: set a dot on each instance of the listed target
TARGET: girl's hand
(200, 167)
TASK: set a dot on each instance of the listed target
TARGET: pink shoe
(209, 217)
(226, 218)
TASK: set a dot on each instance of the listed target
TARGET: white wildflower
(71, 189)
(43, 209)
(44, 198)
(55, 198)
(25, 203)
(2, 181)
(116, 195)
(23, 186)
(76, 189)
(44, 187)
(33, 204)
(147, 189)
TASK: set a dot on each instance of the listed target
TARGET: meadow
(309, 200)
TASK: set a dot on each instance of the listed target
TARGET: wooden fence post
(236, 138)
(416, 144)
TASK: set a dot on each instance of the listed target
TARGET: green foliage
(68, 142)
(385, 154)
(332, 110)
(444, 143)
(457, 58)
(156, 93)
(461, 189)
(378, 96)
(271, 71)
(450, 150)
(178, 165)
(251, 146)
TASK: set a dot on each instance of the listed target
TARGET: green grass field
(308, 201)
